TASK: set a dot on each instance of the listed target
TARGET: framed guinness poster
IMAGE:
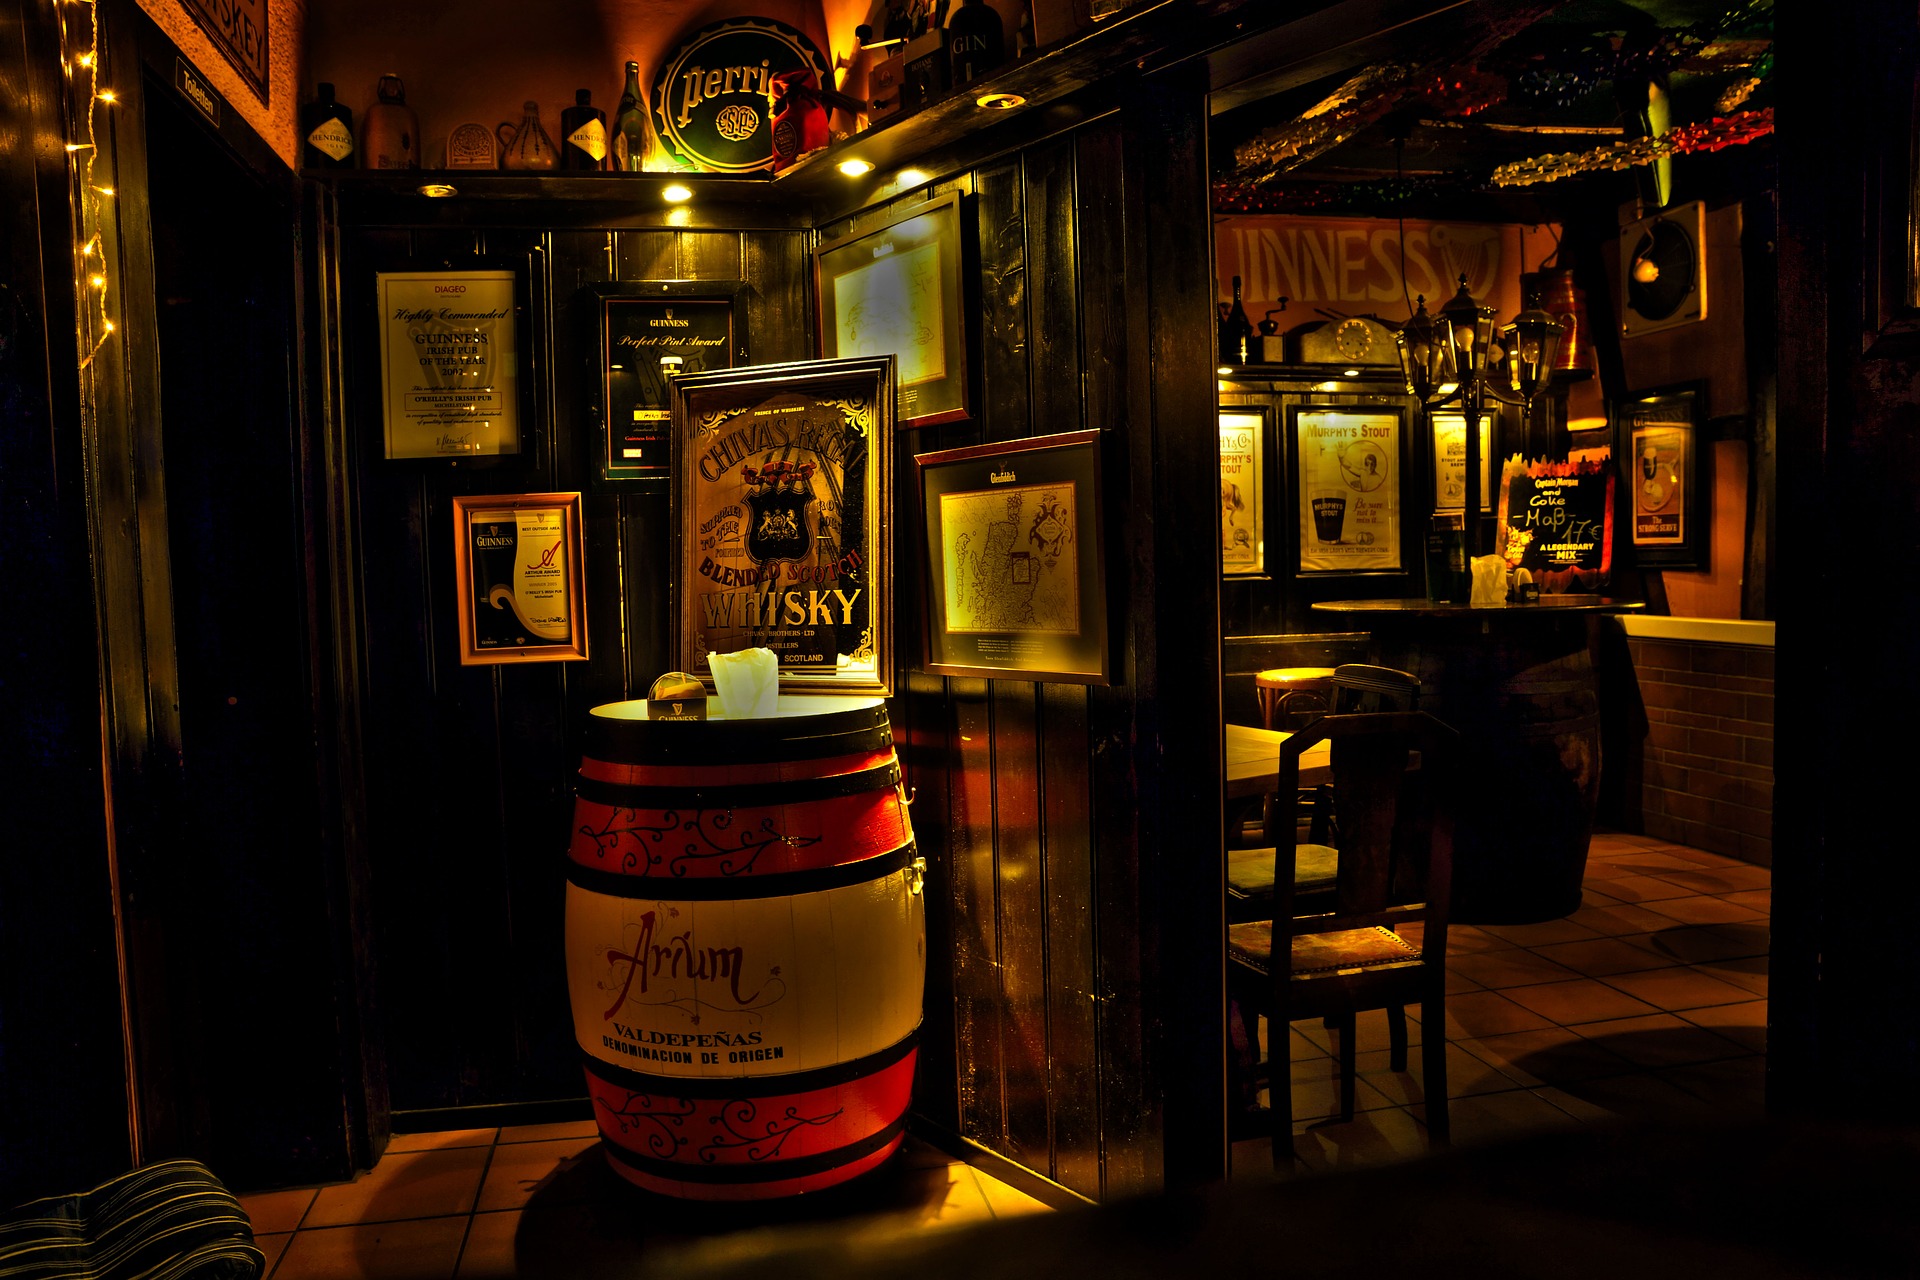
(1661, 458)
(449, 363)
(894, 289)
(1016, 580)
(522, 590)
(649, 332)
(783, 520)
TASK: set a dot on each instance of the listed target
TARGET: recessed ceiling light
(437, 190)
(856, 168)
(1225, 371)
(676, 193)
(1000, 101)
(912, 177)
(1351, 373)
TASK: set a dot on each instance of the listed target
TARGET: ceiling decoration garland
(1706, 135)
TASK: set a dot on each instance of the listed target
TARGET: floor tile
(1582, 1000)
(587, 1128)
(1605, 955)
(1752, 983)
(1680, 988)
(1496, 1117)
(421, 1184)
(1466, 939)
(1744, 1024)
(1701, 909)
(1758, 899)
(1613, 921)
(1643, 888)
(421, 1249)
(1660, 1040)
(401, 1143)
(1466, 1075)
(1545, 933)
(1551, 1056)
(518, 1169)
(277, 1211)
(1700, 944)
(956, 1197)
(1488, 1013)
(1735, 1089)
(1370, 1139)
(1516, 967)
(271, 1247)
(1636, 1098)
(1721, 880)
(488, 1251)
(1316, 1091)
(1006, 1201)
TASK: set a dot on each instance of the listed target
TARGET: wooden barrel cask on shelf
(746, 946)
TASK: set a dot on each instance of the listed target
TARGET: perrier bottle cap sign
(713, 96)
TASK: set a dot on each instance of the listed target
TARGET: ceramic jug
(526, 145)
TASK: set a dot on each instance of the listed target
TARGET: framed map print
(782, 517)
(1016, 584)
(895, 290)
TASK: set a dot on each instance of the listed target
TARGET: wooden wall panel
(973, 877)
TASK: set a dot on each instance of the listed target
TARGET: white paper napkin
(747, 682)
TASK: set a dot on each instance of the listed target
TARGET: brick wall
(1705, 762)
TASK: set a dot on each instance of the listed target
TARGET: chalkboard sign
(1556, 520)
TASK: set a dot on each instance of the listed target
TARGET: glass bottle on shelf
(1236, 330)
(326, 132)
(583, 130)
(526, 146)
(390, 132)
(631, 126)
(976, 41)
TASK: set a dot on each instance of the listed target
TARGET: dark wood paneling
(1073, 1058)
(974, 883)
(1023, 921)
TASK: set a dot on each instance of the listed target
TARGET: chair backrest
(1396, 823)
(1360, 686)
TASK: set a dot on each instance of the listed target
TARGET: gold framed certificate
(522, 592)
(449, 363)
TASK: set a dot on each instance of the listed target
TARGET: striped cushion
(1318, 954)
(168, 1221)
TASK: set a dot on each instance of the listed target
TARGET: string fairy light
(91, 259)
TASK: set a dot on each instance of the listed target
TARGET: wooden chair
(1349, 954)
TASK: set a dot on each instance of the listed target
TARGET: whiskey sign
(713, 96)
(239, 29)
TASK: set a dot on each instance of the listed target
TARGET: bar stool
(1289, 696)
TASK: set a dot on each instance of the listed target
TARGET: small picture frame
(1015, 560)
(1245, 432)
(646, 332)
(895, 289)
(1450, 460)
(1663, 466)
(1349, 464)
(783, 521)
(522, 584)
(449, 363)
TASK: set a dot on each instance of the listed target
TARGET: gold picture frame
(518, 560)
(783, 520)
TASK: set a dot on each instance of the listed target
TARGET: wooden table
(1517, 683)
(1253, 762)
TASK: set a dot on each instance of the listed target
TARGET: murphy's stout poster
(784, 538)
(449, 369)
(1348, 489)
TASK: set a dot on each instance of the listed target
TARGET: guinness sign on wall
(713, 96)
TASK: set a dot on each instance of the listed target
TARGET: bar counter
(1517, 683)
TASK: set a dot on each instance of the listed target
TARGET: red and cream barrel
(746, 946)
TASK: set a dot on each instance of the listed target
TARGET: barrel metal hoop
(717, 742)
(777, 884)
(755, 795)
(752, 1086)
(766, 1171)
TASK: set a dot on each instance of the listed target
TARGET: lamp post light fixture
(1446, 357)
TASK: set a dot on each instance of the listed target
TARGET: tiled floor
(1648, 1003)
(538, 1200)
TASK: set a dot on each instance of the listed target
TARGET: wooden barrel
(1523, 697)
(746, 946)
